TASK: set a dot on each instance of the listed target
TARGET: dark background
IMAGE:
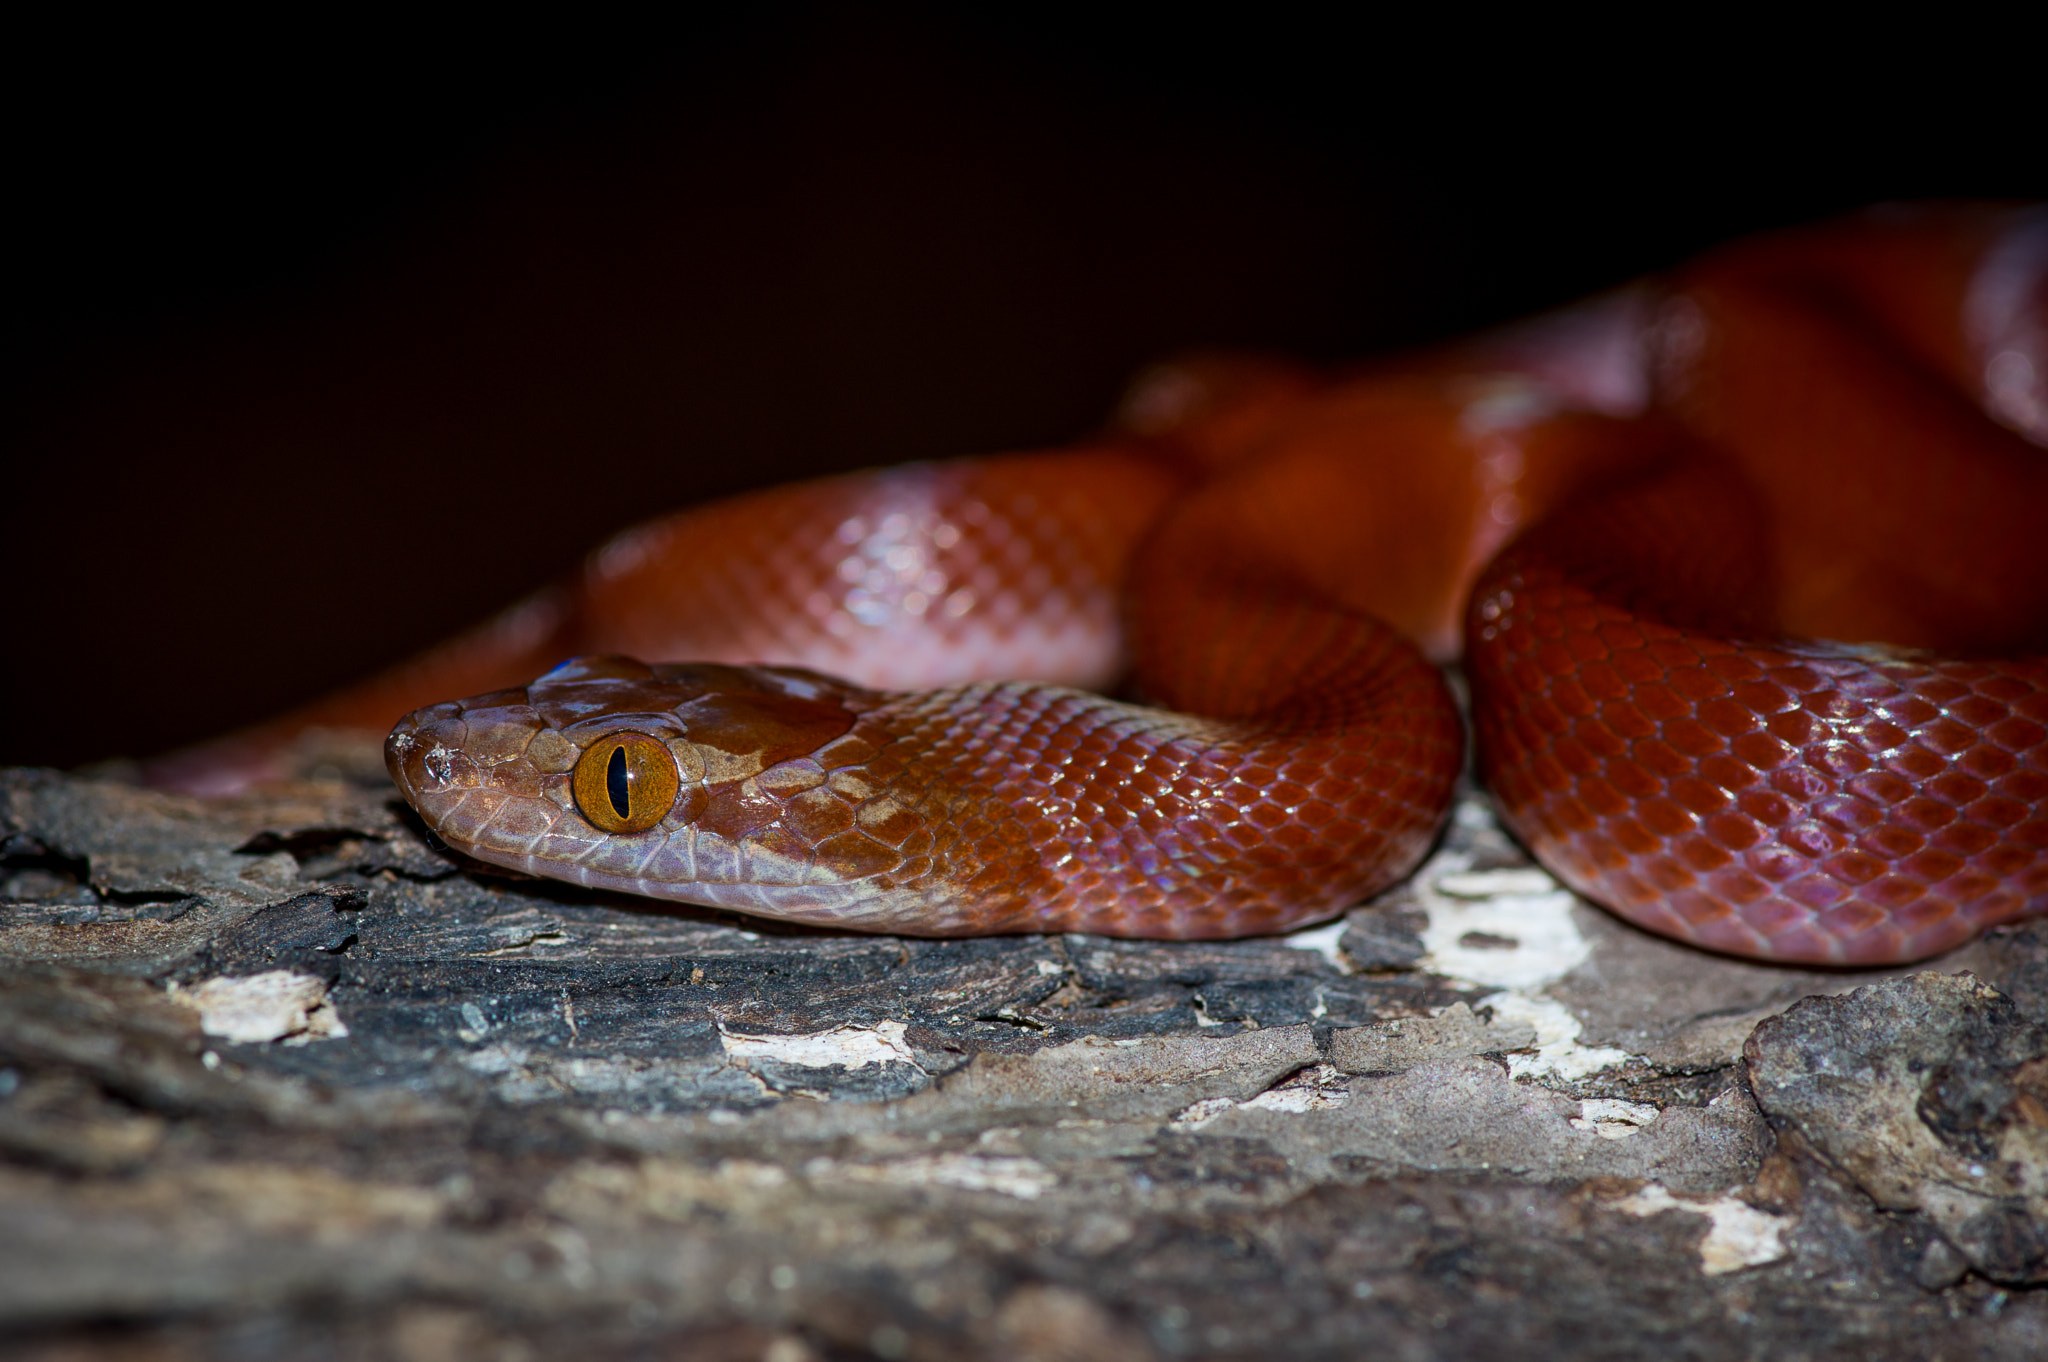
(320, 345)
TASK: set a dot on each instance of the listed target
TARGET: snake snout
(424, 750)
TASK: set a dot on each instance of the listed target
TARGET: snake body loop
(1746, 566)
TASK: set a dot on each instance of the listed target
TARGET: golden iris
(625, 782)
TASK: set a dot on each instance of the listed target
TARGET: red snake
(1641, 521)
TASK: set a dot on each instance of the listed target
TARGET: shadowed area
(313, 361)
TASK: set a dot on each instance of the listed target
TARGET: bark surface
(278, 1076)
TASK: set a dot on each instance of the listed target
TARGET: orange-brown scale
(1659, 711)
(1793, 437)
(1770, 798)
(986, 808)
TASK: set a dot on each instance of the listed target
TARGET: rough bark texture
(279, 1078)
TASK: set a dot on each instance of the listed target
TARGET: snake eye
(625, 782)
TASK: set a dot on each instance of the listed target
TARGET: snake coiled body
(1746, 566)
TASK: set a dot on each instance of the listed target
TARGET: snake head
(613, 773)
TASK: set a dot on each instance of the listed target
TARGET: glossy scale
(1637, 518)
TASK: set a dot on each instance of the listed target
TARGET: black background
(321, 344)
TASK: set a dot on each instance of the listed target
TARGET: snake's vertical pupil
(615, 786)
(625, 783)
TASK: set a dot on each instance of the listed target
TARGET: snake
(1742, 567)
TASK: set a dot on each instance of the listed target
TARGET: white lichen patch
(1739, 1235)
(276, 1005)
(1199, 1114)
(1320, 1087)
(1513, 930)
(1613, 1119)
(1490, 884)
(1322, 940)
(1508, 928)
(854, 1047)
(1557, 1052)
(497, 1059)
(1023, 1178)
